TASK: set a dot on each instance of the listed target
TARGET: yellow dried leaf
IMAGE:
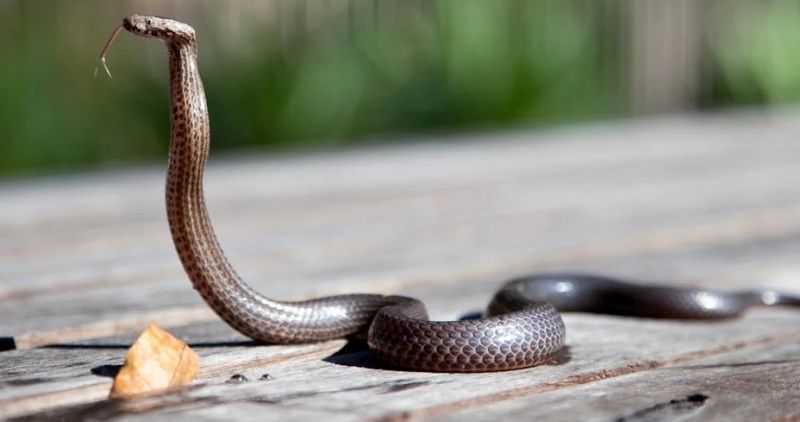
(155, 361)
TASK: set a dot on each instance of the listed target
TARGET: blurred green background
(294, 74)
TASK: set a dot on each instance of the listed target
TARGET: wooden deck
(86, 262)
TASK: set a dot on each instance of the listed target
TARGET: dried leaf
(156, 361)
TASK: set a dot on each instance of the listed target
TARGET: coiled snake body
(523, 327)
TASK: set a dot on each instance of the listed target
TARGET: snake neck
(192, 233)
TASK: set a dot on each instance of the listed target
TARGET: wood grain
(753, 384)
(650, 336)
(86, 262)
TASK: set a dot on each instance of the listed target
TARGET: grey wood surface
(86, 262)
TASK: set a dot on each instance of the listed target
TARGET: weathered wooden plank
(721, 265)
(708, 176)
(535, 232)
(593, 203)
(747, 385)
(493, 224)
(764, 263)
(82, 314)
(369, 391)
(36, 379)
(30, 370)
(324, 239)
(486, 155)
(434, 264)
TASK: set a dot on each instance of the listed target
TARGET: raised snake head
(157, 27)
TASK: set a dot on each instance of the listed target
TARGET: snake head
(157, 27)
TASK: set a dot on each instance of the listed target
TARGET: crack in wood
(388, 387)
(667, 411)
(106, 409)
(744, 364)
(402, 386)
(21, 382)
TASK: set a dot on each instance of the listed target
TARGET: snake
(521, 328)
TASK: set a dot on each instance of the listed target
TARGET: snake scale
(522, 328)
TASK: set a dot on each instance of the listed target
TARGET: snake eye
(148, 22)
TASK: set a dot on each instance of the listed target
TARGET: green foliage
(306, 74)
(757, 53)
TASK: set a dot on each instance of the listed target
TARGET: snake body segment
(523, 328)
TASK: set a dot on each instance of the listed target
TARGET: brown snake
(523, 329)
